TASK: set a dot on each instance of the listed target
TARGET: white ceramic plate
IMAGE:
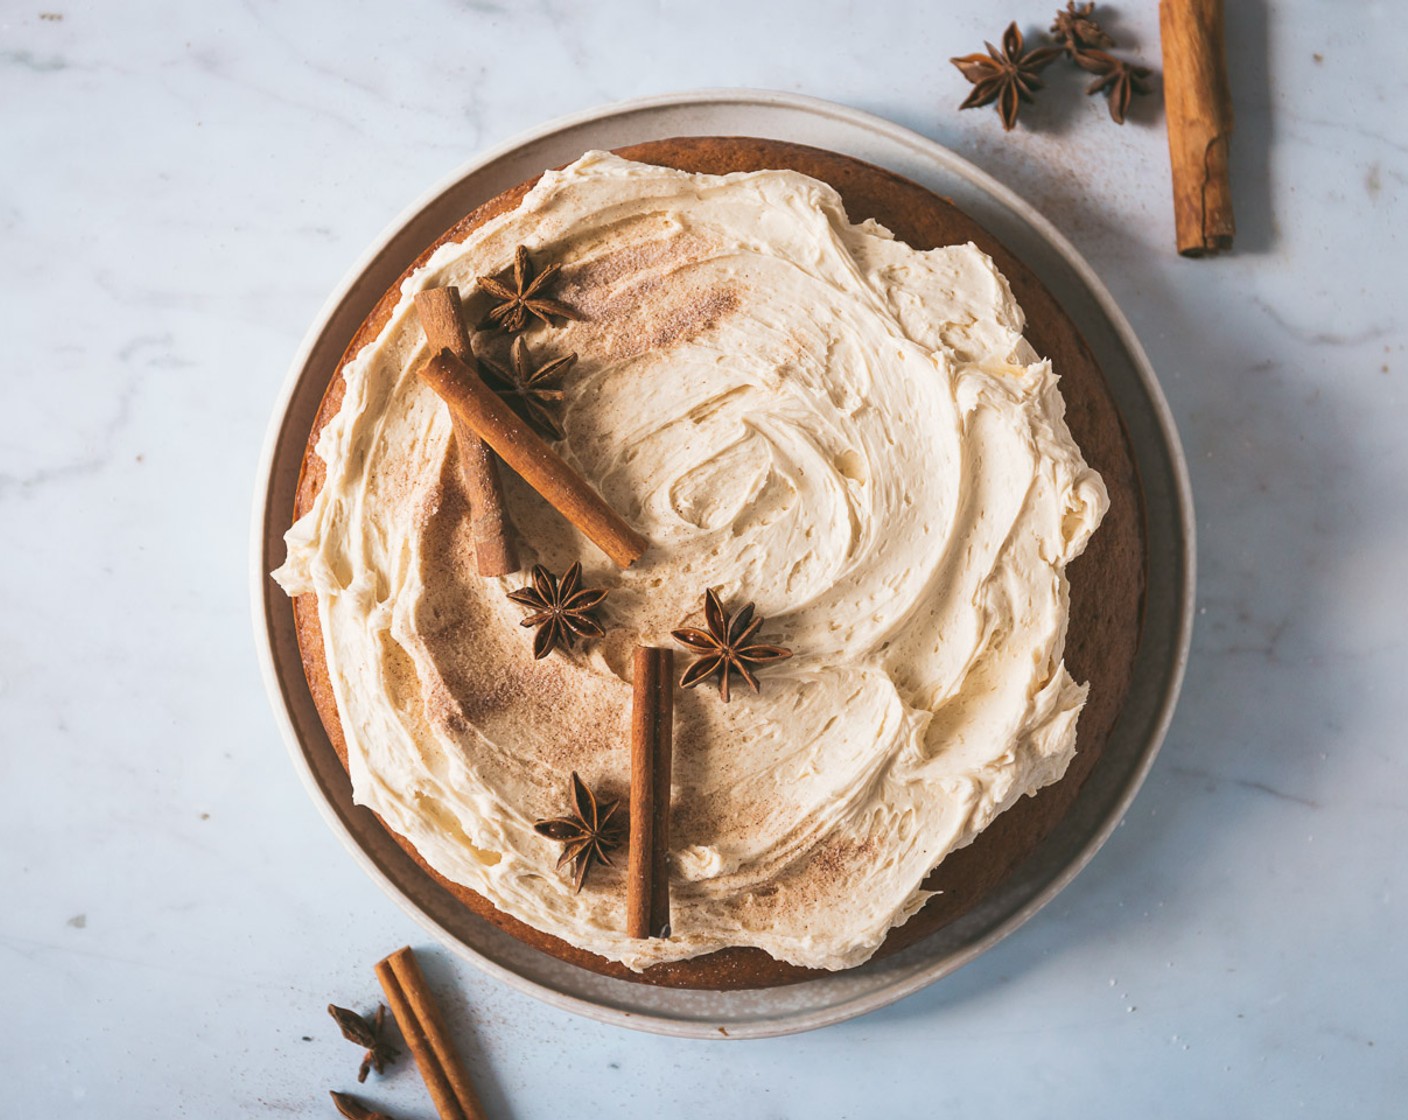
(1158, 671)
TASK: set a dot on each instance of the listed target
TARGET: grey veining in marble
(181, 186)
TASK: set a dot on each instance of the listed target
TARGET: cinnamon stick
(494, 553)
(1198, 104)
(652, 728)
(423, 1026)
(526, 452)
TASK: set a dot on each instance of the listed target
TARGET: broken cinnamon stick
(652, 732)
(350, 1107)
(1198, 105)
(524, 450)
(423, 1026)
(489, 527)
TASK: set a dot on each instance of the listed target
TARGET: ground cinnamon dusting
(487, 683)
(653, 256)
(644, 298)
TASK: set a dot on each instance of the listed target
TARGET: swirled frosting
(795, 411)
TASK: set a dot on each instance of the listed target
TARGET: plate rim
(261, 588)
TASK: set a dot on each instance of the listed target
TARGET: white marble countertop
(184, 184)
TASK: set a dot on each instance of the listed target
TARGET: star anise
(1008, 77)
(526, 297)
(588, 834)
(561, 610)
(725, 647)
(350, 1107)
(368, 1033)
(1118, 78)
(1077, 29)
(529, 391)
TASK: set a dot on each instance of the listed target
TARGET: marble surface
(184, 184)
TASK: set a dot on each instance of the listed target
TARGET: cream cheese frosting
(795, 411)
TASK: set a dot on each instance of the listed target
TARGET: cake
(812, 386)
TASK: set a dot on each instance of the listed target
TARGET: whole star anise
(368, 1033)
(526, 297)
(1008, 77)
(1077, 29)
(1117, 78)
(561, 609)
(529, 391)
(726, 647)
(588, 834)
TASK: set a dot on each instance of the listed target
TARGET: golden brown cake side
(1106, 582)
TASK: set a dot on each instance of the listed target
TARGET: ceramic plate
(1158, 670)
